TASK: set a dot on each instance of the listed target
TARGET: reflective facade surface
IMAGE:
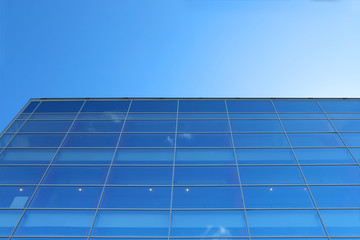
(181, 169)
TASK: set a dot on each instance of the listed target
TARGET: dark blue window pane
(5, 139)
(144, 156)
(347, 125)
(277, 197)
(55, 107)
(341, 222)
(203, 140)
(149, 176)
(53, 116)
(150, 126)
(46, 126)
(203, 116)
(21, 175)
(340, 106)
(91, 140)
(343, 115)
(205, 156)
(208, 223)
(332, 174)
(351, 139)
(302, 116)
(202, 106)
(206, 175)
(108, 116)
(284, 223)
(37, 140)
(136, 197)
(323, 155)
(131, 223)
(66, 197)
(153, 106)
(315, 140)
(79, 156)
(307, 126)
(256, 126)
(133, 116)
(106, 106)
(55, 223)
(265, 156)
(30, 108)
(76, 175)
(15, 197)
(270, 175)
(207, 197)
(253, 116)
(23, 116)
(297, 106)
(8, 220)
(260, 140)
(27, 156)
(203, 126)
(336, 196)
(97, 126)
(147, 140)
(250, 106)
(15, 126)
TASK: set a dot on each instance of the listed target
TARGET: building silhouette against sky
(181, 169)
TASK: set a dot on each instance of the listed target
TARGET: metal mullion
(108, 173)
(238, 172)
(45, 172)
(302, 174)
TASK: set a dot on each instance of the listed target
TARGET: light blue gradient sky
(187, 48)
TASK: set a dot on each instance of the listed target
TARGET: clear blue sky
(199, 48)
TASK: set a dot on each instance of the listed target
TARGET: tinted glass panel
(97, 126)
(270, 175)
(153, 106)
(144, 156)
(336, 196)
(343, 115)
(332, 174)
(30, 108)
(297, 106)
(15, 126)
(64, 106)
(315, 140)
(253, 116)
(109, 116)
(208, 223)
(302, 116)
(76, 156)
(23, 116)
(76, 175)
(260, 140)
(5, 139)
(205, 156)
(27, 156)
(202, 106)
(150, 126)
(307, 126)
(351, 139)
(8, 220)
(132, 116)
(265, 156)
(347, 125)
(46, 126)
(37, 140)
(340, 106)
(91, 140)
(256, 126)
(203, 116)
(203, 140)
(356, 153)
(53, 116)
(203, 126)
(15, 197)
(323, 155)
(341, 222)
(106, 106)
(250, 106)
(147, 140)
(21, 175)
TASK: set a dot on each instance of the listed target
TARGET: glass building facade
(181, 169)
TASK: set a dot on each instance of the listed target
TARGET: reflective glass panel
(252, 116)
(150, 126)
(15, 126)
(131, 223)
(37, 140)
(202, 106)
(203, 126)
(315, 140)
(139, 116)
(343, 115)
(5, 139)
(207, 197)
(53, 116)
(336, 196)
(302, 116)
(30, 108)
(202, 116)
(27, 156)
(332, 174)
(78, 156)
(341, 222)
(108, 116)
(265, 156)
(260, 140)
(144, 156)
(205, 156)
(59, 106)
(356, 153)
(21, 175)
(270, 175)
(97, 126)
(15, 196)
(340, 106)
(153, 106)
(76, 175)
(203, 140)
(91, 140)
(106, 106)
(256, 126)
(323, 155)
(351, 139)
(347, 125)
(249, 106)
(147, 140)
(136, 197)
(23, 116)
(8, 220)
(208, 223)
(307, 126)
(297, 106)
(46, 126)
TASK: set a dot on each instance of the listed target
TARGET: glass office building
(181, 169)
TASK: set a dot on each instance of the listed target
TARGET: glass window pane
(356, 153)
(132, 116)
(30, 108)
(53, 116)
(55, 223)
(270, 175)
(23, 116)
(97, 126)
(144, 156)
(108, 116)
(206, 175)
(302, 116)
(131, 223)
(343, 115)
(351, 139)
(106, 106)
(5, 139)
(207, 197)
(79, 156)
(336, 196)
(341, 222)
(66, 197)
(256, 126)
(149, 176)
(46, 126)
(147, 140)
(347, 125)
(307, 126)
(202, 106)
(136, 197)
(58, 106)
(91, 140)
(277, 197)
(15, 126)
(21, 175)
(205, 156)
(332, 174)
(76, 175)
(265, 156)
(203, 126)
(284, 223)
(8, 220)
(260, 140)
(208, 223)
(37, 140)
(150, 126)
(203, 140)
(323, 156)
(315, 140)
(153, 106)
(253, 116)
(15, 196)
(203, 116)
(297, 106)
(27, 156)
(249, 106)
(47, 238)
(340, 105)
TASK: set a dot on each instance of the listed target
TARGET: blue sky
(187, 48)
